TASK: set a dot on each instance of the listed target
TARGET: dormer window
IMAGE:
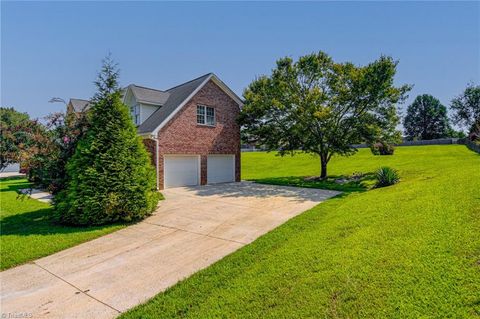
(205, 115)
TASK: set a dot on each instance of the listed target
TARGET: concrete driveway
(191, 229)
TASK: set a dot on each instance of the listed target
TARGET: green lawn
(27, 231)
(411, 250)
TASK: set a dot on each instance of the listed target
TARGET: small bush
(382, 149)
(386, 176)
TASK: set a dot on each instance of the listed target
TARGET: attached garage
(181, 170)
(220, 169)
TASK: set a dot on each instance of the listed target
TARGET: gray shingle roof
(149, 96)
(79, 105)
(167, 101)
(176, 96)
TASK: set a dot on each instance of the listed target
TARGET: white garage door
(220, 169)
(181, 170)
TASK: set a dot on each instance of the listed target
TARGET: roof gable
(148, 95)
(179, 96)
(79, 105)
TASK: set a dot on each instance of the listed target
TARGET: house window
(200, 114)
(135, 111)
(205, 115)
(210, 120)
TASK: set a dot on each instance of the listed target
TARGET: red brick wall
(182, 134)
(150, 146)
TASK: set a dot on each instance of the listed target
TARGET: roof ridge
(176, 86)
(74, 98)
(144, 87)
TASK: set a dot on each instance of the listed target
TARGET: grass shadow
(10, 178)
(366, 182)
(29, 218)
(41, 222)
(16, 187)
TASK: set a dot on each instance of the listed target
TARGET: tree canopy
(426, 119)
(19, 136)
(109, 177)
(47, 168)
(466, 108)
(319, 106)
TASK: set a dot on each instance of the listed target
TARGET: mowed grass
(27, 231)
(411, 250)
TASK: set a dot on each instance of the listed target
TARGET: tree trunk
(323, 173)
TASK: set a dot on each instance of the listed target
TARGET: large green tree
(19, 136)
(466, 108)
(319, 106)
(426, 119)
(109, 177)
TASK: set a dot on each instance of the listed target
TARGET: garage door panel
(181, 171)
(220, 169)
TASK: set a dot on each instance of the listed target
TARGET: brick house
(190, 130)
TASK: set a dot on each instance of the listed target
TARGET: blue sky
(55, 48)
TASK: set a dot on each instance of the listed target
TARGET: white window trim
(205, 115)
(138, 112)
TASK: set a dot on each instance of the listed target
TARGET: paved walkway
(11, 174)
(192, 228)
(37, 194)
(32, 192)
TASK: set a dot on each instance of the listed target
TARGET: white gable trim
(227, 90)
(217, 81)
(179, 107)
(128, 90)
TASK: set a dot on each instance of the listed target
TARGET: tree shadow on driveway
(299, 188)
(265, 188)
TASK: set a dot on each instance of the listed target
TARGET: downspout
(156, 160)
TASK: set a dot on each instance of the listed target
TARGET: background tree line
(428, 119)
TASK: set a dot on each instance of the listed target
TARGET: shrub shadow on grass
(15, 187)
(41, 222)
(10, 178)
(366, 182)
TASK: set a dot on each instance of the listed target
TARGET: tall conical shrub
(110, 177)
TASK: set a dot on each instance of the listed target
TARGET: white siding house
(143, 102)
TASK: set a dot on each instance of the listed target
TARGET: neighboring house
(191, 130)
(77, 106)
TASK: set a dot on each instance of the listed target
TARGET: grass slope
(407, 251)
(27, 231)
